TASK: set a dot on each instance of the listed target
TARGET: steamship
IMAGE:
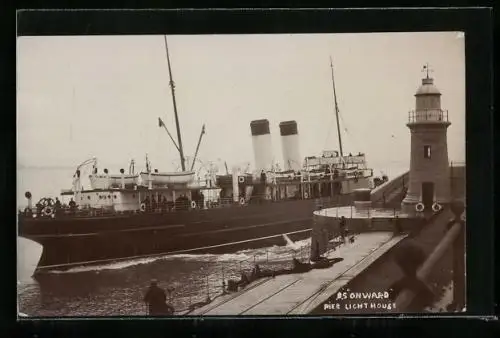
(131, 215)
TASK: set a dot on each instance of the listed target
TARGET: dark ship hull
(71, 241)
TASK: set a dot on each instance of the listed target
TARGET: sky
(85, 96)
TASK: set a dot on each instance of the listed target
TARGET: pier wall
(458, 182)
(390, 189)
(391, 193)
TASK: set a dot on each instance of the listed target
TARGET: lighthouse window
(427, 151)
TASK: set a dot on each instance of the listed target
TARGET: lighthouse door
(427, 194)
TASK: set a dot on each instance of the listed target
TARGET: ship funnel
(290, 145)
(262, 146)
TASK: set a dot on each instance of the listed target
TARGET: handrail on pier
(451, 239)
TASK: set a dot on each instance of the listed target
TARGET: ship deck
(300, 293)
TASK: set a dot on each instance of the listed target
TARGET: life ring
(48, 211)
(193, 204)
(242, 200)
(241, 179)
(436, 207)
(27, 195)
(420, 207)
(306, 195)
(143, 207)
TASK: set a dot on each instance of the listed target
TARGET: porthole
(114, 196)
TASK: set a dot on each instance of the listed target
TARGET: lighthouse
(429, 181)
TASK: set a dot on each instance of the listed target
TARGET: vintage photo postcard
(259, 174)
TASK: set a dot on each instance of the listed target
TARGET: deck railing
(428, 115)
(170, 207)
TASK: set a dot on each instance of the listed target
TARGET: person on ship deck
(164, 204)
(147, 203)
(154, 204)
(182, 203)
(57, 206)
(201, 205)
(72, 206)
(263, 178)
(39, 208)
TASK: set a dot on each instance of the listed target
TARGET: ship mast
(172, 88)
(336, 111)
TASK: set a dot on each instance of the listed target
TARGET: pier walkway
(302, 292)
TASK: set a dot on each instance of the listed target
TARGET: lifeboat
(159, 178)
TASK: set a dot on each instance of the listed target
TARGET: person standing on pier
(156, 299)
(343, 228)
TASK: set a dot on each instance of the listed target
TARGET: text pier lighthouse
(262, 145)
(429, 179)
(290, 145)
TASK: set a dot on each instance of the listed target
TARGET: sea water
(118, 288)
